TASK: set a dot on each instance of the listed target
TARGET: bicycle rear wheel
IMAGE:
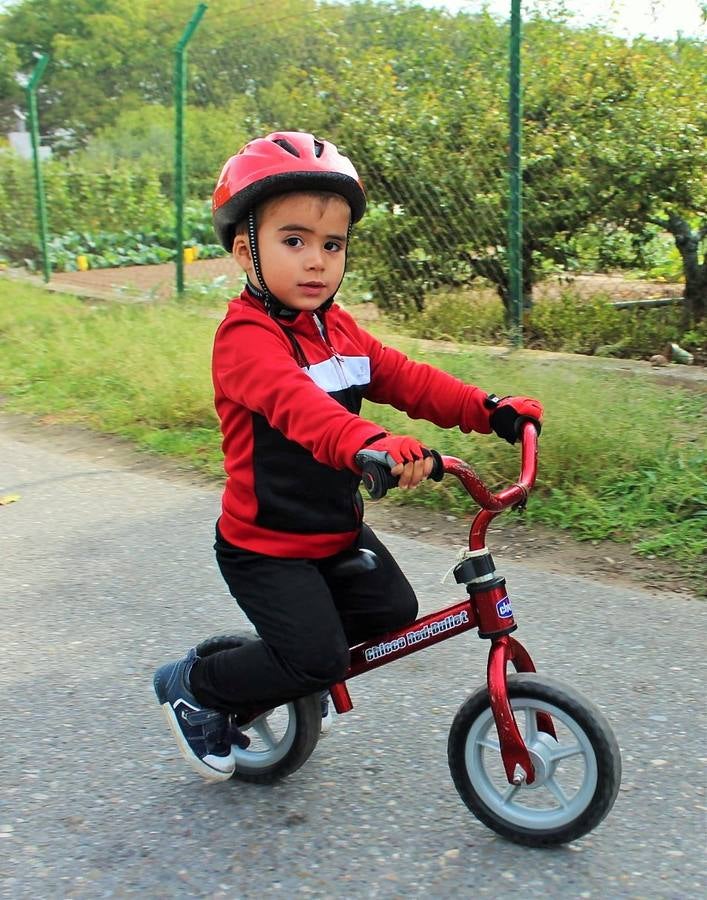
(281, 739)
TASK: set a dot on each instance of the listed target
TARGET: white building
(21, 142)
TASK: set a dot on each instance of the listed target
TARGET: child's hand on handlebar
(412, 473)
(509, 413)
(408, 459)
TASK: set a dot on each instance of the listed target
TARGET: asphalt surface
(108, 572)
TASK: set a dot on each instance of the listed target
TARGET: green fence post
(515, 207)
(180, 90)
(38, 182)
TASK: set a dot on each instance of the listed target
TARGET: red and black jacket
(288, 393)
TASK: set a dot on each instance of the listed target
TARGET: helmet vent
(318, 148)
(286, 145)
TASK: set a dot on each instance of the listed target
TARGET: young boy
(290, 370)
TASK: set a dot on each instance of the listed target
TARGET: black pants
(306, 621)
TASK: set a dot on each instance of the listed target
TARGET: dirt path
(141, 282)
(151, 282)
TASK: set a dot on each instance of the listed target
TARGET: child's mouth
(312, 287)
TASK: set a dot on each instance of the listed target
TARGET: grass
(620, 458)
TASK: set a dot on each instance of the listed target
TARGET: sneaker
(201, 733)
(327, 713)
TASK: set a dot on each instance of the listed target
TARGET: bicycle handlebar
(375, 471)
(377, 478)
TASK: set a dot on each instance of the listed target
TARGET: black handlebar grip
(437, 473)
(377, 479)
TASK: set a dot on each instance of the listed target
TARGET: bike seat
(350, 564)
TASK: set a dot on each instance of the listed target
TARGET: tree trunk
(489, 267)
(688, 241)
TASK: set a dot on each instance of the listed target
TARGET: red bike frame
(487, 608)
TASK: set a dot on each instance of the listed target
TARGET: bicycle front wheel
(577, 774)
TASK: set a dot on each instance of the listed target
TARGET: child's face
(302, 246)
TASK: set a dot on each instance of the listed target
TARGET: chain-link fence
(613, 145)
(416, 97)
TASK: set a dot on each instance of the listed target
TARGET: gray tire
(577, 775)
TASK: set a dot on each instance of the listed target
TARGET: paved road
(107, 571)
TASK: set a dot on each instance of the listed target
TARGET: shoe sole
(326, 726)
(205, 770)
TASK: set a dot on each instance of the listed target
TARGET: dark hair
(325, 196)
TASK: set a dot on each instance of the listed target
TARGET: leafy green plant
(107, 250)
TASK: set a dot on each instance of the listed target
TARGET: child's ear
(241, 252)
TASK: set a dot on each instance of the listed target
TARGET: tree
(613, 134)
(111, 55)
(10, 90)
(106, 55)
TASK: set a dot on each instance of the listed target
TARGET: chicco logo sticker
(504, 608)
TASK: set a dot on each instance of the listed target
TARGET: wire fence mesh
(417, 98)
(613, 133)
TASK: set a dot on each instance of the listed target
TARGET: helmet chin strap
(273, 307)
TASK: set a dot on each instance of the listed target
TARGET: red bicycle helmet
(280, 162)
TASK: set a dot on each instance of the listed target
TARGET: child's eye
(333, 246)
(294, 241)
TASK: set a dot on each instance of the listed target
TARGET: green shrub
(596, 327)
(116, 201)
(116, 217)
(18, 225)
(570, 323)
(468, 317)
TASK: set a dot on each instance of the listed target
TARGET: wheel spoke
(565, 751)
(557, 792)
(511, 791)
(531, 725)
(262, 728)
(490, 744)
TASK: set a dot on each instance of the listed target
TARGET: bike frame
(487, 608)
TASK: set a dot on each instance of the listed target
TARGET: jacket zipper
(334, 355)
(356, 503)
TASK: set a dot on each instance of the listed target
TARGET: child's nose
(315, 259)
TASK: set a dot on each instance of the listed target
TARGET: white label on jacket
(337, 374)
